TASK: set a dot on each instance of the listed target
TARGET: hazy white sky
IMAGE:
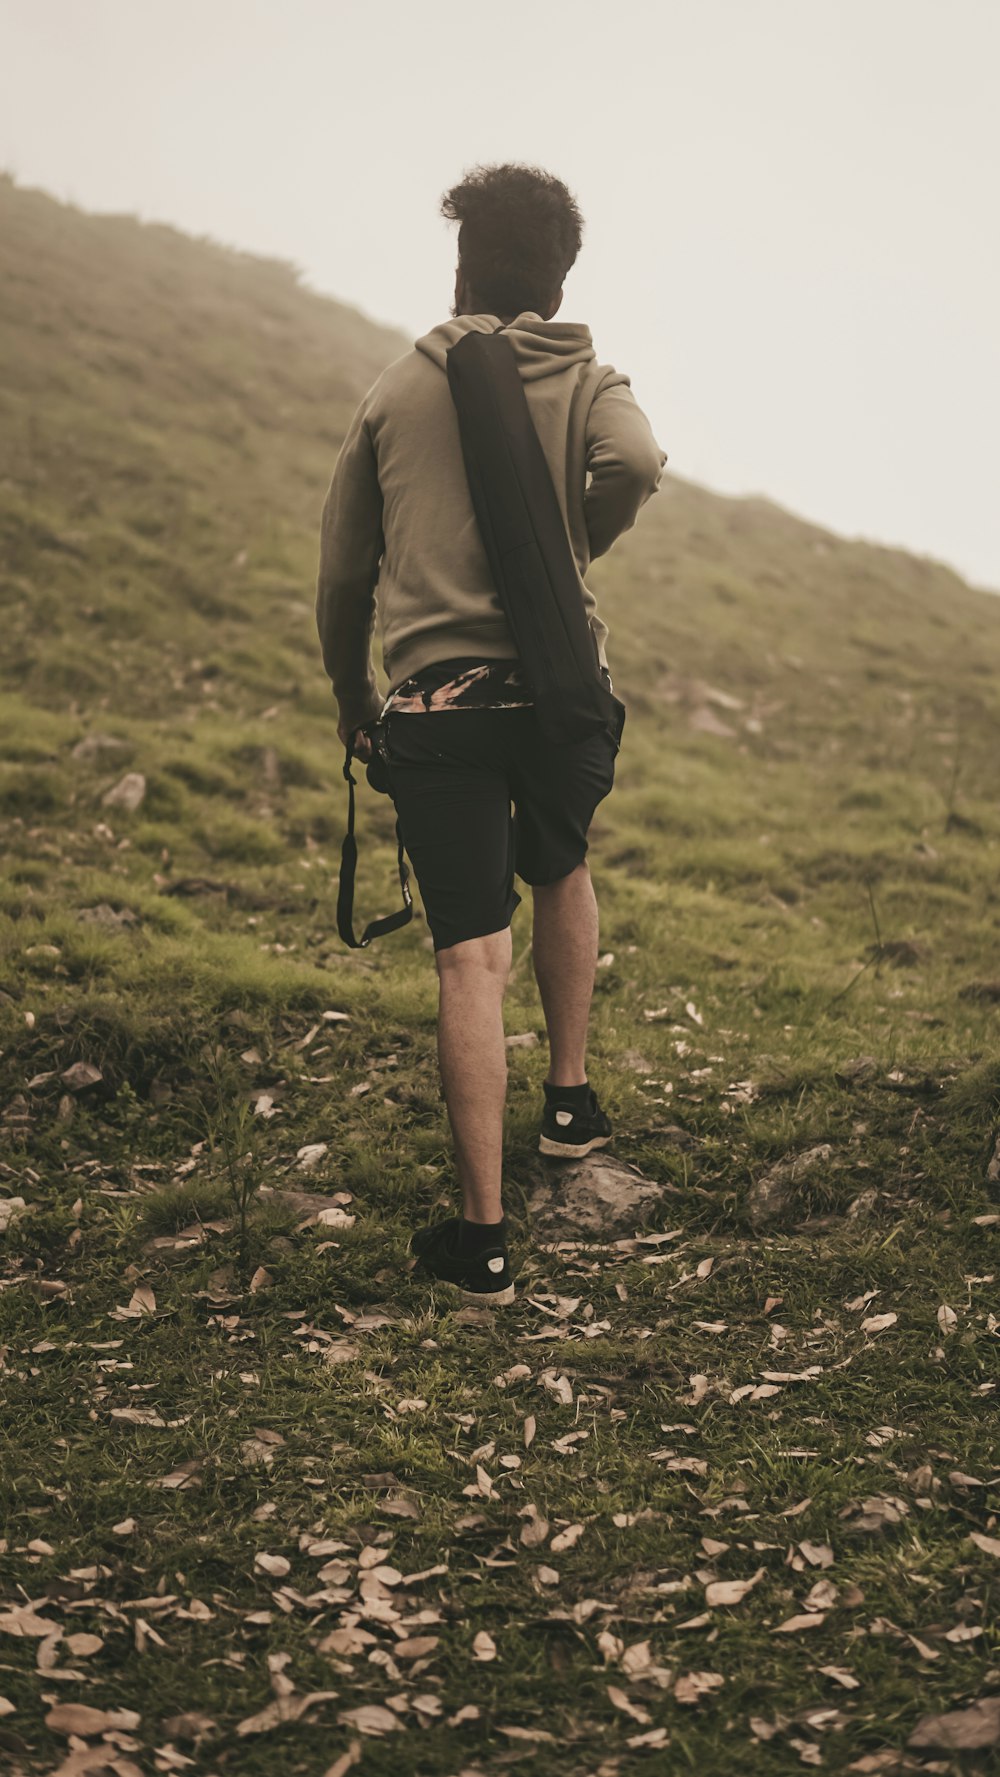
(790, 205)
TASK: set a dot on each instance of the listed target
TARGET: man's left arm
(351, 547)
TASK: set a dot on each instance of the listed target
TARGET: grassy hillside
(795, 1032)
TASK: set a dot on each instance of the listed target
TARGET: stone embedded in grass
(874, 1514)
(634, 1059)
(93, 745)
(310, 1156)
(310, 1206)
(128, 793)
(81, 1075)
(960, 1730)
(773, 1194)
(987, 993)
(857, 1071)
(597, 1197)
(902, 953)
(341, 1351)
(111, 918)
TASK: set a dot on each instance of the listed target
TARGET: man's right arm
(624, 461)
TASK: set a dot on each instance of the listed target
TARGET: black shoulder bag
(525, 538)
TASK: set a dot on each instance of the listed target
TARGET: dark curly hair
(520, 230)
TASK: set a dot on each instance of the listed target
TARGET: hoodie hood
(541, 347)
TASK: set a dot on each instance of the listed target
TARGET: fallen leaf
(286, 1708)
(137, 1415)
(817, 1554)
(346, 1642)
(79, 1718)
(81, 1645)
(731, 1591)
(655, 1737)
(346, 1761)
(620, 1701)
(534, 1532)
(416, 1647)
(370, 1719)
(877, 1323)
(695, 1685)
(840, 1675)
(276, 1565)
(184, 1476)
(528, 1734)
(560, 1386)
(335, 1217)
(22, 1620)
(566, 1539)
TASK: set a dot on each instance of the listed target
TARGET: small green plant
(230, 1133)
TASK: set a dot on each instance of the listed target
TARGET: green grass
(169, 420)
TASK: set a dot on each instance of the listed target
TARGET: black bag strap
(390, 922)
(525, 539)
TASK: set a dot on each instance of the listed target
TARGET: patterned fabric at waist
(465, 684)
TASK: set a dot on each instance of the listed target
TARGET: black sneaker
(569, 1134)
(484, 1278)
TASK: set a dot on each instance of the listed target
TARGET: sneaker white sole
(488, 1298)
(567, 1150)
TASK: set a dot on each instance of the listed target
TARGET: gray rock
(93, 745)
(857, 1071)
(129, 793)
(81, 1075)
(986, 992)
(864, 1205)
(598, 1198)
(772, 1195)
(105, 915)
(635, 1059)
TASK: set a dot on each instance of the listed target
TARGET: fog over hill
(171, 412)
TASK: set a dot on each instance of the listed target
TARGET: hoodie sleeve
(624, 460)
(351, 547)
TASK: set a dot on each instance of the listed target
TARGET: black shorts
(453, 775)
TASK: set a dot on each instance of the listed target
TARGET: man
(458, 730)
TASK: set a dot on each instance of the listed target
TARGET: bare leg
(564, 952)
(473, 1059)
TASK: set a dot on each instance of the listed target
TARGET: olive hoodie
(399, 539)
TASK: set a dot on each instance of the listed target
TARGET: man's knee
(491, 953)
(555, 882)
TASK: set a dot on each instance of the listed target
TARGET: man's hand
(361, 746)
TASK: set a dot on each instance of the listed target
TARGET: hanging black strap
(390, 922)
